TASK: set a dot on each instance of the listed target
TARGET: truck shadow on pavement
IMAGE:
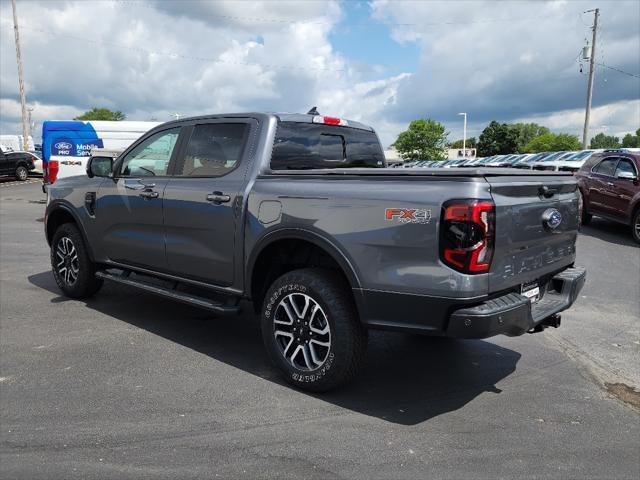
(406, 379)
(609, 231)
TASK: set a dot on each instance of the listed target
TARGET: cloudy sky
(382, 62)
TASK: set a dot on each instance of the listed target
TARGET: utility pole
(464, 135)
(23, 97)
(592, 59)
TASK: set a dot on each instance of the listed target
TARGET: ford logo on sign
(63, 146)
(551, 218)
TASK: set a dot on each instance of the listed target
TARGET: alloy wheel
(302, 331)
(67, 257)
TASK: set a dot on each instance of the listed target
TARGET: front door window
(152, 156)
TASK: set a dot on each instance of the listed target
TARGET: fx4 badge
(408, 215)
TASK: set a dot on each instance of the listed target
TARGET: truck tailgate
(528, 244)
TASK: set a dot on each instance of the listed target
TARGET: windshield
(536, 157)
(553, 156)
(579, 156)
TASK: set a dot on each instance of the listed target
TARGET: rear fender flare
(312, 237)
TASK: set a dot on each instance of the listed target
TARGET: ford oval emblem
(551, 218)
(63, 146)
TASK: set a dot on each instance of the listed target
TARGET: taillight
(467, 235)
(51, 171)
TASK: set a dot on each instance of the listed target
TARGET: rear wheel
(585, 217)
(72, 268)
(311, 329)
(635, 225)
(22, 173)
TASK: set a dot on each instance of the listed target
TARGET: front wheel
(635, 226)
(21, 173)
(311, 329)
(72, 268)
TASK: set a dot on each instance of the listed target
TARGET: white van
(16, 143)
(67, 145)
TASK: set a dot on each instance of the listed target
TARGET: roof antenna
(313, 111)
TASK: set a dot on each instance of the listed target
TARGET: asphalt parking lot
(130, 385)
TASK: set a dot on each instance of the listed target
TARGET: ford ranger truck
(298, 216)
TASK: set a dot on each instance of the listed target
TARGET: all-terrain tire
(73, 270)
(635, 225)
(313, 308)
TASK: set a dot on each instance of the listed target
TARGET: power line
(617, 70)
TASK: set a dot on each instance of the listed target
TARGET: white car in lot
(550, 162)
(568, 162)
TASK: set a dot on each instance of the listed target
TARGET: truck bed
(420, 172)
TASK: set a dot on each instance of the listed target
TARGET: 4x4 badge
(408, 215)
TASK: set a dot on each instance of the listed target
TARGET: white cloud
(616, 119)
(194, 57)
(507, 60)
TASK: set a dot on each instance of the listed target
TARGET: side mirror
(627, 176)
(100, 167)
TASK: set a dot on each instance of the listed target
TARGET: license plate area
(530, 290)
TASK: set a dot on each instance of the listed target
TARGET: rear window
(301, 146)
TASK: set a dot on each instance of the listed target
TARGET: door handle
(218, 198)
(138, 185)
(609, 184)
(547, 192)
(149, 194)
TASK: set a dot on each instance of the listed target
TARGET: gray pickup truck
(297, 216)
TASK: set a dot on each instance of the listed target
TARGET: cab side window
(152, 156)
(606, 167)
(625, 165)
(213, 150)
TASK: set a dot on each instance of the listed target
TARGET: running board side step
(202, 302)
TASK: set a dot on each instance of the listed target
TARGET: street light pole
(464, 135)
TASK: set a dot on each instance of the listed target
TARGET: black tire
(21, 173)
(72, 268)
(585, 218)
(330, 366)
(635, 225)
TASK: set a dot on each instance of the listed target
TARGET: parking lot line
(16, 182)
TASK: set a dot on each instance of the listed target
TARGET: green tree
(425, 139)
(470, 143)
(526, 132)
(631, 141)
(553, 142)
(101, 114)
(604, 141)
(497, 139)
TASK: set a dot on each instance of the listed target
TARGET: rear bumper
(514, 314)
(510, 314)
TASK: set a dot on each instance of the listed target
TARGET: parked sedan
(610, 188)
